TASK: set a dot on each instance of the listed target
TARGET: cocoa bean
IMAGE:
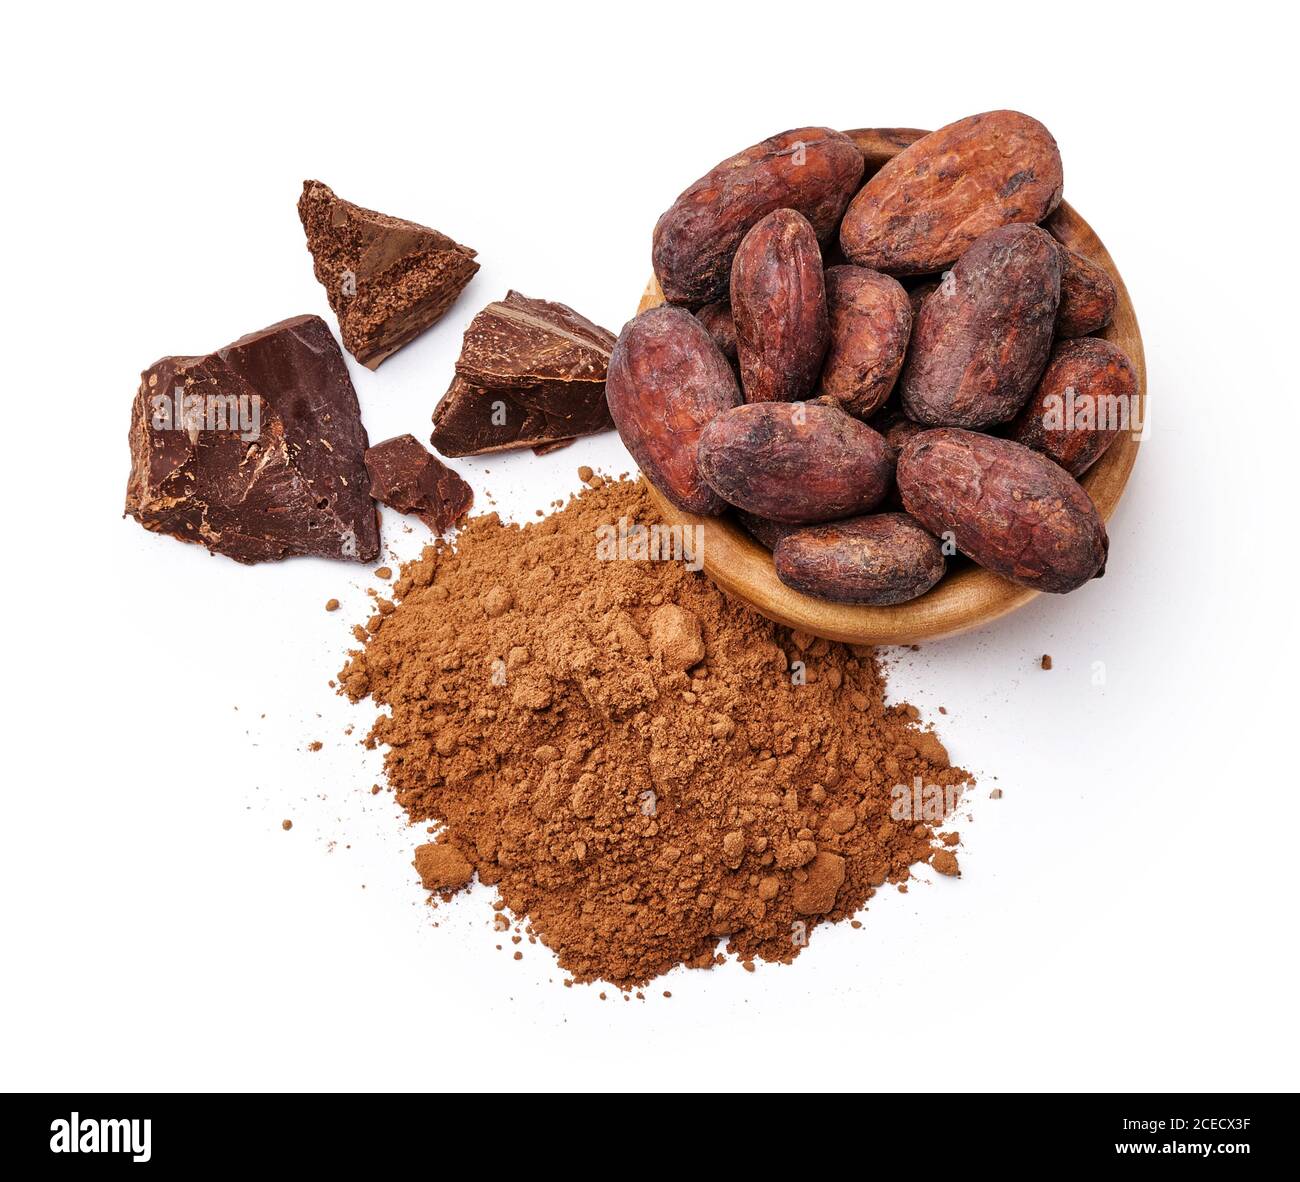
(896, 427)
(813, 170)
(884, 559)
(1087, 396)
(1009, 508)
(716, 317)
(778, 303)
(928, 204)
(917, 293)
(1088, 296)
(983, 336)
(667, 379)
(763, 530)
(870, 322)
(795, 462)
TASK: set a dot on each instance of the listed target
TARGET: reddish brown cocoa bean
(764, 531)
(717, 319)
(778, 304)
(812, 169)
(667, 379)
(884, 559)
(916, 296)
(870, 322)
(795, 462)
(983, 336)
(896, 427)
(928, 204)
(1009, 508)
(1088, 296)
(1088, 395)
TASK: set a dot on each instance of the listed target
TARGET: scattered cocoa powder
(625, 754)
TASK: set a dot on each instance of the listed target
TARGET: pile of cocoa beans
(871, 375)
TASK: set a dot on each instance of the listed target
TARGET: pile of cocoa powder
(647, 771)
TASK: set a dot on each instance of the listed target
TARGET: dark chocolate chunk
(530, 373)
(387, 279)
(255, 451)
(404, 476)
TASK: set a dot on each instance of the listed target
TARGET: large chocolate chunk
(255, 451)
(387, 279)
(530, 373)
(409, 479)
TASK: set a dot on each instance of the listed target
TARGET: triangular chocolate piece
(255, 451)
(387, 279)
(530, 373)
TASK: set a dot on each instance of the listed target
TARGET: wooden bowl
(969, 596)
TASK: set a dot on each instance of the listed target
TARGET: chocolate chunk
(387, 279)
(255, 451)
(411, 480)
(530, 373)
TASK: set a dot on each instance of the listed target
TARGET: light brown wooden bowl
(967, 597)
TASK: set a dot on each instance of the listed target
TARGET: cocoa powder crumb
(331, 605)
(383, 572)
(315, 745)
(945, 862)
(286, 824)
(540, 724)
(1046, 662)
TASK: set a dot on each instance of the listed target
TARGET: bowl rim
(966, 598)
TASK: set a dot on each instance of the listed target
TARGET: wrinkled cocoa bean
(763, 530)
(717, 319)
(795, 462)
(896, 427)
(1009, 508)
(928, 204)
(1088, 395)
(916, 296)
(778, 304)
(1088, 296)
(884, 559)
(983, 336)
(813, 170)
(870, 322)
(667, 379)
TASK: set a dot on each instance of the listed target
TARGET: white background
(1126, 918)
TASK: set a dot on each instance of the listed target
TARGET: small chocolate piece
(387, 279)
(255, 451)
(530, 373)
(404, 476)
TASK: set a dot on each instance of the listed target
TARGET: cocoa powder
(646, 771)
